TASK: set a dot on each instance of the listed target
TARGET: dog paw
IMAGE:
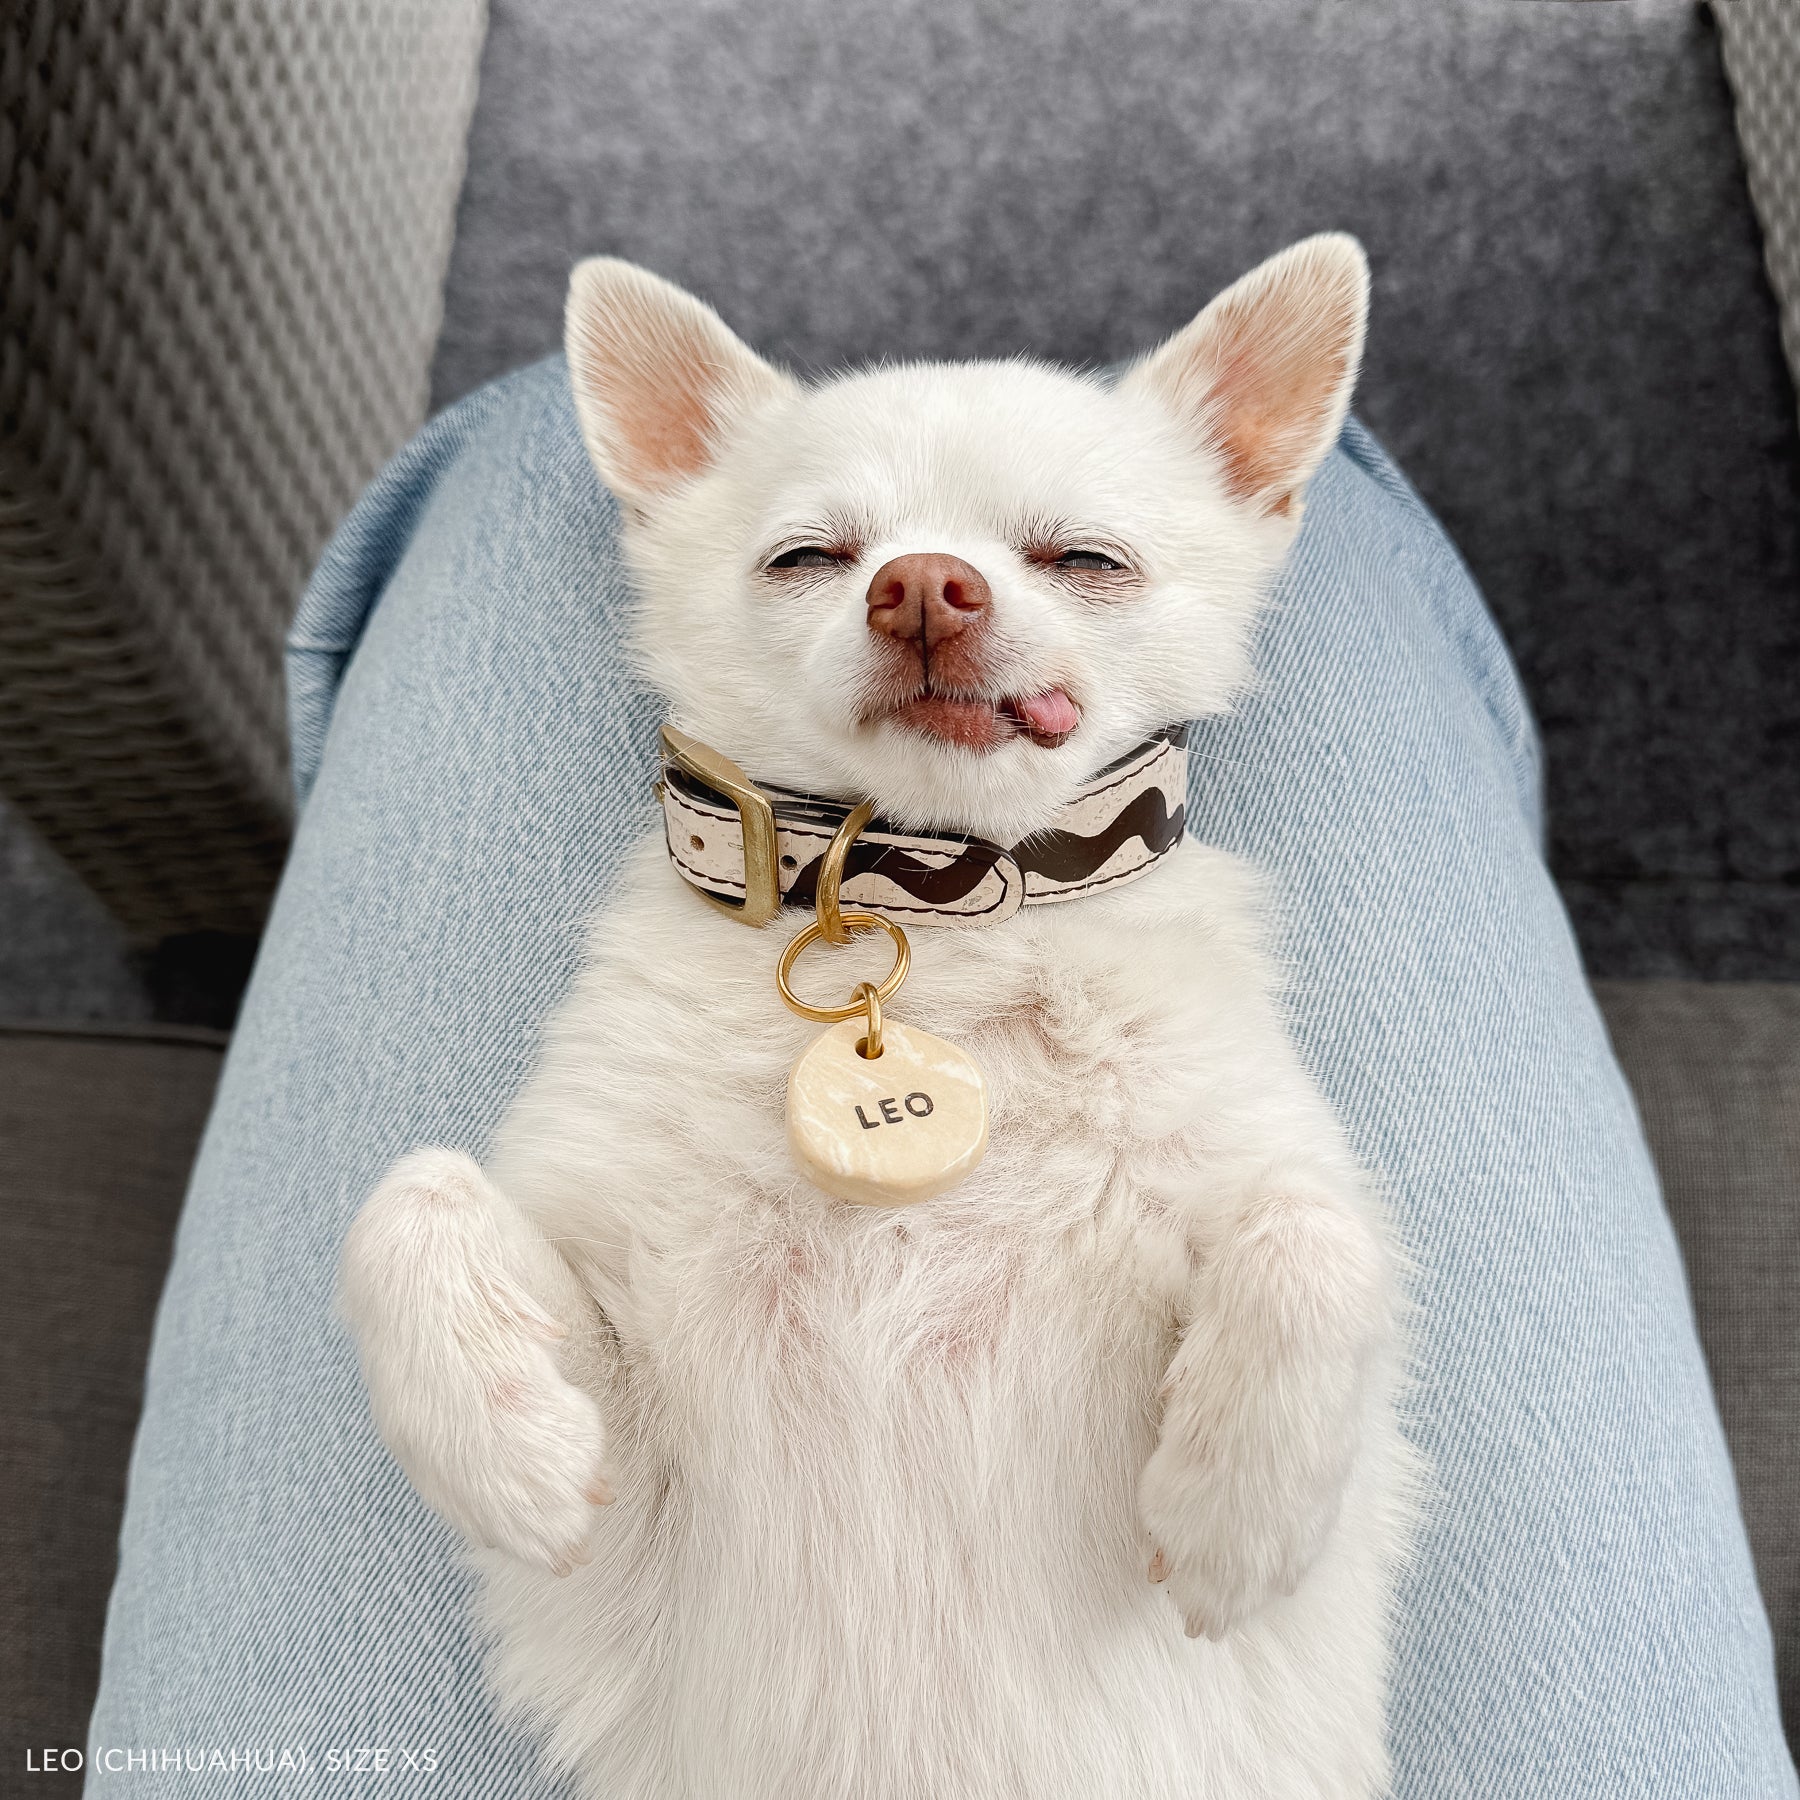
(461, 1363)
(1228, 1536)
(523, 1469)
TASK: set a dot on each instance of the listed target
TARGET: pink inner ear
(1274, 384)
(659, 382)
(1266, 374)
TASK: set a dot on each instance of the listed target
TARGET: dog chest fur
(878, 1471)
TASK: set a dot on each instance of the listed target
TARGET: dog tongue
(1052, 714)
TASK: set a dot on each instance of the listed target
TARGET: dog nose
(925, 599)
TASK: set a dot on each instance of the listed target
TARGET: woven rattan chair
(223, 234)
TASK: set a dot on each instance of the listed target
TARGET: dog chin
(1003, 791)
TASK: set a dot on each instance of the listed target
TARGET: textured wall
(1574, 349)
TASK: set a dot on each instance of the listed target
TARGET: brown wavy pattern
(942, 885)
(1063, 857)
(1066, 858)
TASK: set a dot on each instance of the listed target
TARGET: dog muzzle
(752, 850)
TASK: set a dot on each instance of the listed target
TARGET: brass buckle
(762, 875)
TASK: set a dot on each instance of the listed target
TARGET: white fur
(890, 1484)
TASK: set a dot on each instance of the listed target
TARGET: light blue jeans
(1582, 1620)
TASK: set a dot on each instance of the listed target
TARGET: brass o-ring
(811, 934)
(870, 1001)
(831, 874)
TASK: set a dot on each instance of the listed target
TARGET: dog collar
(752, 850)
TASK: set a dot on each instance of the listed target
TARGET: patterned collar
(752, 850)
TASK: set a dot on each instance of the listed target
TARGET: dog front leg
(463, 1316)
(1263, 1400)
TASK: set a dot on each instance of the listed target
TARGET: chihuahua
(1081, 1479)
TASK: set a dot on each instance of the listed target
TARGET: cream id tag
(901, 1123)
(888, 1130)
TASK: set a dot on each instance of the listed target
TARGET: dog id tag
(887, 1130)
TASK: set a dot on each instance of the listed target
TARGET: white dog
(1083, 1480)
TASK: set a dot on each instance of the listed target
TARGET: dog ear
(658, 377)
(1262, 377)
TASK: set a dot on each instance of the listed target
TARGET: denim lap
(1582, 1619)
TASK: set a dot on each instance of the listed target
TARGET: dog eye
(1088, 559)
(809, 556)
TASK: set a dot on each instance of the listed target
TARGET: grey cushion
(63, 957)
(1574, 349)
(1716, 1070)
(96, 1135)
